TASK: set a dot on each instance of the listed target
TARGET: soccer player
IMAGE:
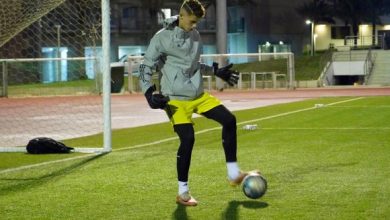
(176, 50)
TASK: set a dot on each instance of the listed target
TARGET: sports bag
(44, 145)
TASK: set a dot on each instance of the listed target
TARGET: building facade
(339, 36)
(250, 25)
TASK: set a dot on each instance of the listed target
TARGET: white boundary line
(77, 150)
(45, 163)
(352, 128)
(280, 115)
(169, 139)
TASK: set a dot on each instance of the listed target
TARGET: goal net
(51, 72)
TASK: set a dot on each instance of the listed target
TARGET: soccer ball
(254, 185)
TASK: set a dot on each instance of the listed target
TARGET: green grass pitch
(330, 162)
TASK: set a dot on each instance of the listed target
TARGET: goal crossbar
(45, 59)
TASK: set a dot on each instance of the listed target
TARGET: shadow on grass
(180, 213)
(231, 211)
(295, 173)
(20, 184)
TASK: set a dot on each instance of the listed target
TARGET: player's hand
(226, 73)
(155, 101)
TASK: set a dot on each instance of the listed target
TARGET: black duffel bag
(44, 145)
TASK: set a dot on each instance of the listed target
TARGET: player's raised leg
(229, 141)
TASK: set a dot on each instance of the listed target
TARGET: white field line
(45, 163)
(362, 106)
(169, 139)
(352, 128)
(281, 115)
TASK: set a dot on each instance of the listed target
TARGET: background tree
(375, 9)
(317, 11)
(352, 12)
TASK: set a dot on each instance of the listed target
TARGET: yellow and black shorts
(180, 111)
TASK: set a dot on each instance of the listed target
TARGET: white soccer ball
(254, 185)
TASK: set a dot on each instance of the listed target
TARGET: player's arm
(151, 60)
(206, 69)
(149, 63)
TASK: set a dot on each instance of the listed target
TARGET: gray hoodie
(177, 55)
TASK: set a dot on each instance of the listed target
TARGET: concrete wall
(348, 68)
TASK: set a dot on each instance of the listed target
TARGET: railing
(367, 57)
(350, 56)
(365, 41)
(324, 65)
(368, 65)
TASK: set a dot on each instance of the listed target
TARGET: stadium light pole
(311, 36)
(221, 36)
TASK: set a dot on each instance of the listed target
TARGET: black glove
(155, 101)
(225, 73)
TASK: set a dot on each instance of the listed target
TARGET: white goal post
(55, 78)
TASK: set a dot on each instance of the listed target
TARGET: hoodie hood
(172, 22)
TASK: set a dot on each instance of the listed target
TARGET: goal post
(55, 78)
(107, 142)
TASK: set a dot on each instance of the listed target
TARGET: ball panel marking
(254, 186)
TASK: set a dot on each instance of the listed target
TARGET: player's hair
(194, 7)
